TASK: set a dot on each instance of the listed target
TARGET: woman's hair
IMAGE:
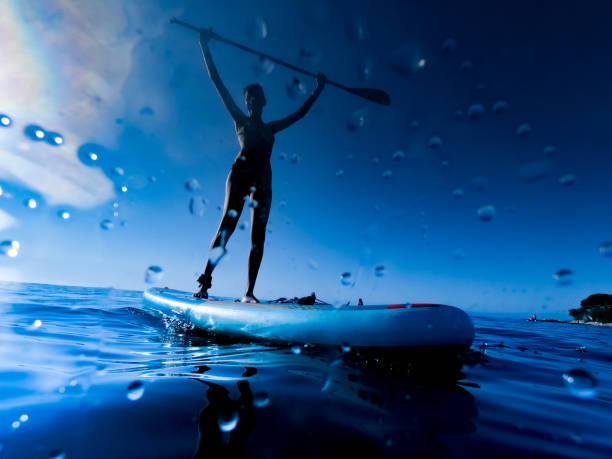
(256, 88)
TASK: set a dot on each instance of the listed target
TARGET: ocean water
(88, 372)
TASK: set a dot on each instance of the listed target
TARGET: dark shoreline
(578, 322)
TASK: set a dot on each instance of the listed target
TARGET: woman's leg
(236, 187)
(259, 220)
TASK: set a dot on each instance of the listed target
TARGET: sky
(502, 104)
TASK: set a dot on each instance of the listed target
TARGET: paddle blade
(374, 95)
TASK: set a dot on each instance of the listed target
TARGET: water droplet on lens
(216, 254)
(415, 124)
(232, 213)
(564, 276)
(479, 183)
(379, 271)
(549, 150)
(228, 419)
(106, 225)
(449, 45)
(534, 171)
(55, 139)
(135, 391)
(197, 206)
(257, 28)
(500, 107)
(434, 142)
(346, 278)
(340, 173)
(398, 154)
(242, 226)
(457, 193)
(30, 203)
(5, 120)
(10, 248)
(375, 160)
(192, 184)
(567, 180)
(35, 325)
(295, 88)
(253, 203)
(153, 274)
(357, 119)
(406, 60)
(282, 155)
(365, 68)
(486, 212)
(34, 132)
(57, 454)
(294, 158)
(523, 130)
(475, 111)
(458, 114)
(118, 171)
(458, 254)
(354, 29)
(466, 66)
(309, 57)
(580, 383)
(387, 174)
(606, 249)
(261, 399)
(296, 349)
(146, 111)
(263, 66)
(252, 189)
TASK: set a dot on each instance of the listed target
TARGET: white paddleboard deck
(389, 325)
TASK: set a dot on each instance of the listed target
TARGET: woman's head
(254, 97)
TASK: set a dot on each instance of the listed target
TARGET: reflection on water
(88, 373)
(225, 424)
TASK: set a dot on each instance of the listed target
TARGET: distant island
(595, 308)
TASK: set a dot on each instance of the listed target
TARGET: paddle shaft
(273, 59)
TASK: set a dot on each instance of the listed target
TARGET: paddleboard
(388, 325)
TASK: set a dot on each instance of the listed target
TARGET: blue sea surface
(89, 372)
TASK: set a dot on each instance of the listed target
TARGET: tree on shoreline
(596, 307)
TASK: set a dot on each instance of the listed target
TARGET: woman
(251, 172)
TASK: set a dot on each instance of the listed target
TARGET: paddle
(371, 94)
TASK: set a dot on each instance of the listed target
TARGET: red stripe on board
(424, 305)
(396, 306)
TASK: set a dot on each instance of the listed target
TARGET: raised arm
(237, 114)
(299, 114)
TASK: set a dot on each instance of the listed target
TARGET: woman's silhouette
(251, 172)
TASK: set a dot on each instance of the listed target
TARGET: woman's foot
(249, 299)
(202, 293)
(205, 283)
